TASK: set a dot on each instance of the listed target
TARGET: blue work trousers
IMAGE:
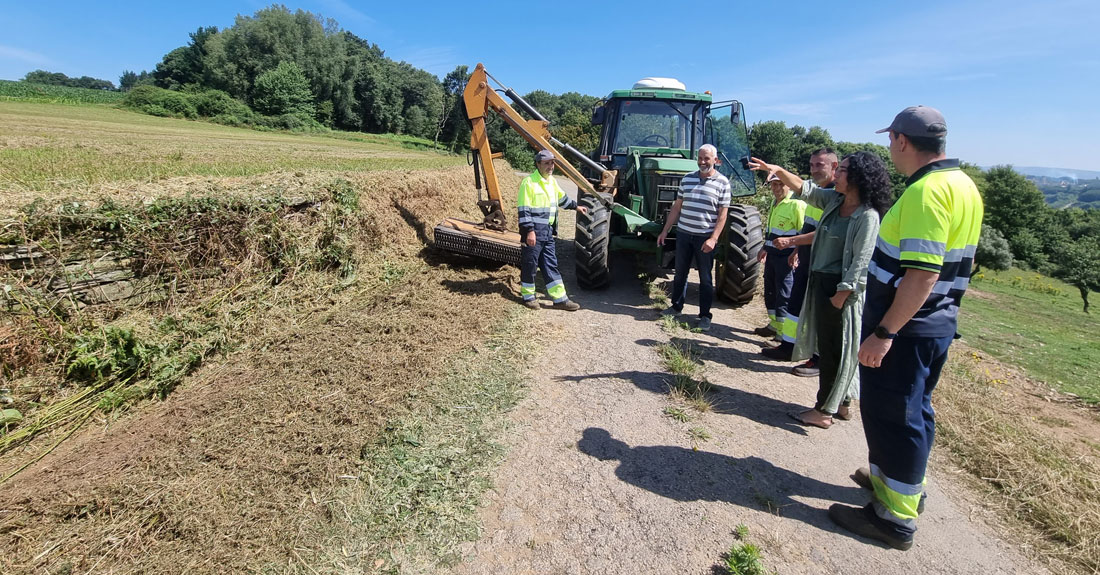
(543, 254)
(778, 283)
(898, 419)
(799, 282)
(689, 248)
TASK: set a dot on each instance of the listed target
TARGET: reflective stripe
(532, 215)
(884, 511)
(924, 246)
(898, 498)
(790, 328)
(527, 291)
(556, 291)
(895, 485)
(813, 216)
(959, 255)
(945, 287)
(889, 250)
(882, 275)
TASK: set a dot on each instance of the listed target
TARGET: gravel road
(599, 480)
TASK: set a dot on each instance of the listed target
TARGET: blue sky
(1019, 82)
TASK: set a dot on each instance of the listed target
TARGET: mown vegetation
(1026, 472)
(58, 150)
(225, 260)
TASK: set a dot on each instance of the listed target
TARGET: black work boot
(863, 521)
(781, 352)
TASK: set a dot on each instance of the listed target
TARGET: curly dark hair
(867, 173)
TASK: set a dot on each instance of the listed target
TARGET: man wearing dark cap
(918, 274)
(540, 197)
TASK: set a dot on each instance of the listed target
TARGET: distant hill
(1063, 187)
(1055, 173)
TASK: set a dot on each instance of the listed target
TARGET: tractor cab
(651, 134)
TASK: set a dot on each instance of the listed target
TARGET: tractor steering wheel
(656, 138)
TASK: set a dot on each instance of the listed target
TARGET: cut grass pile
(414, 499)
(1036, 323)
(346, 386)
(53, 152)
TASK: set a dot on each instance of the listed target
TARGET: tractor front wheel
(592, 239)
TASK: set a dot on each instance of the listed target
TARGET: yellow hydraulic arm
(480, 98)
(491, 239)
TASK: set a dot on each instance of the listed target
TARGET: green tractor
(651, 135)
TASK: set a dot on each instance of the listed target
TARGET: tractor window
(654, 124)
(732, 140)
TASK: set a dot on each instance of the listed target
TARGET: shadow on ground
(724, 399)
(685, 474)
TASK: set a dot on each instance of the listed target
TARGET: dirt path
(599, 480)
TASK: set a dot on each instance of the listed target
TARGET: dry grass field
(50, 150)
(283, 331)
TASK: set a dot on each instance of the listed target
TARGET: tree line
(59, 79)
(297, 70)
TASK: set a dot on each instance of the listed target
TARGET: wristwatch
(882, 333)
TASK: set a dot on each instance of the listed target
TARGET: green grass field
(47, 148)
(1036, 323)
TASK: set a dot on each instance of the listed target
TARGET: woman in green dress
(833, 308)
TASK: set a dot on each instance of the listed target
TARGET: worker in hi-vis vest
(540, 198)
(784, 220)
(916, 280)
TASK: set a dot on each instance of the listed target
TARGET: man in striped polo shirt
(918, 274)
(699, 213)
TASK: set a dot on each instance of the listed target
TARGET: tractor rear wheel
(739, 269)
(592, 239)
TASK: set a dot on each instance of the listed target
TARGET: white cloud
(338, 9)
(438, 60)
(18, 54)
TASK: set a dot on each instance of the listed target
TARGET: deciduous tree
(284, 90)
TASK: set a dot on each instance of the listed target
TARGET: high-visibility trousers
(541, 255)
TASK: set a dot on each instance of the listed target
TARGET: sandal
(798, 416)
(843, 413)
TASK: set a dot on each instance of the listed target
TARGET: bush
(142, 96)
(993, 250)
(231, 120)
(157, 110)
(213, 103)
(293, 122)
(179, 104)
(160, 102)
(283, 90)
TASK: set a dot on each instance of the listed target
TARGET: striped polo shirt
(702, 197)
(934, 226)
